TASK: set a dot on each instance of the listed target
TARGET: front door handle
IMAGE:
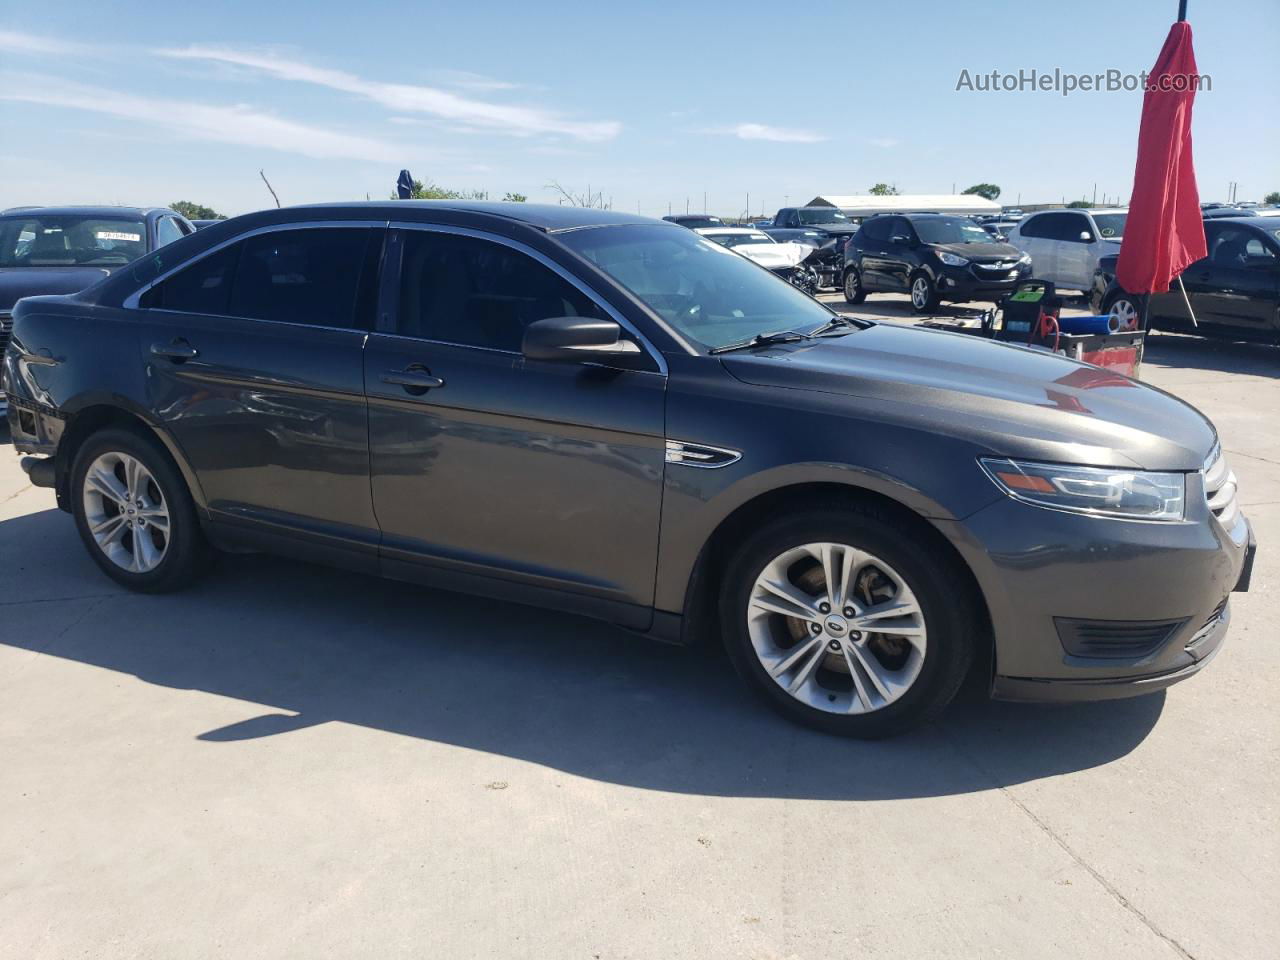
(176, 350)
(416, 379)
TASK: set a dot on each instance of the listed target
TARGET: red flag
(1164, 233)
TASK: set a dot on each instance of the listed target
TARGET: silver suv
(1066, 245)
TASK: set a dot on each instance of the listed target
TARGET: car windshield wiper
(762, 340)
(836, 322)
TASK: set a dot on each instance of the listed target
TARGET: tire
(924, 294)
(158, 507)
(1125, 307)
(920, 674)
(853, 292)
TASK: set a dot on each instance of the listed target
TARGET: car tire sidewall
(949, 615)
(186, 553)
(859, 294)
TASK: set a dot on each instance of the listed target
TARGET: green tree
(1272, 198)
(196, 211)
(514, 197)
(426, 190)
(988, 191)
(883, 190)
(1078, 204)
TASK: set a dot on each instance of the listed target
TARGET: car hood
(19, 282)
(980, 252)
(1007, 400)
(774, 256)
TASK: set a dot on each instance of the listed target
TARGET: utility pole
(704, 201)
(1095, 194)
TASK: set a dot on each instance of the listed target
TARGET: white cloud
(409, 98)
(240, 124)
(466, 80)
(759, 131)
(11, 41)
(884, 142)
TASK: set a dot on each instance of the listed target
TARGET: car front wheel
(846, 621)
(134, 512)
(853, 292)
(1124, 308)
(924, 296)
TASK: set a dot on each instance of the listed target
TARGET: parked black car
(932, 256)
(824, 228)
(65, 249)
(694, 220)
(613, 416)
(1234, 291)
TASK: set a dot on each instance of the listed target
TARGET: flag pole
(1187, 301)
(1182, 10)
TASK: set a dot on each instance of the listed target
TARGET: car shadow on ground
(1178, 351)
(315, 646)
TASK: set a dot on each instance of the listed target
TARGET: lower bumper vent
(1117, 639)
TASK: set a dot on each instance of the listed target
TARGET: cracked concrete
(294, 762)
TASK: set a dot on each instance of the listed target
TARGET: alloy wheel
(126, 512)
(1125, 312)
(920, 293)
(851, 285)
(837, 628)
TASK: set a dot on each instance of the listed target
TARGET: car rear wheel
(134, 512)
(1124, 308)
(924, 296)
(853, 292)
(844, 620)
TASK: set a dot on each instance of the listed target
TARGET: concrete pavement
(289, 761)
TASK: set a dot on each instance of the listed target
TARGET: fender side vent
(700, 455)
(1114, 639)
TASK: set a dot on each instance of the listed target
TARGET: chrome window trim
(588, 292)
(131, 302)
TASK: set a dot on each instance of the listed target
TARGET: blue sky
(651, 104)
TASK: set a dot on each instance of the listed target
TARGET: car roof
(1246, 220)
(732, 231)
(88, 211)
(543, 216)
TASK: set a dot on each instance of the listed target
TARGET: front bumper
(972, 283)
(1113, 581)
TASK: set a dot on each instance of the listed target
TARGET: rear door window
(167, 231)
(309, 276)
(203, 287)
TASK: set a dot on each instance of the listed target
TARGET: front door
(546, 475)
(1236, 285)
(253, 360)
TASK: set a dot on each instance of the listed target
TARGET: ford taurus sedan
(613, 416)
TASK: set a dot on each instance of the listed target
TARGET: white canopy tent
(864, 205)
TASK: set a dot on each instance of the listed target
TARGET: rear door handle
(416, 379)
(176, 350)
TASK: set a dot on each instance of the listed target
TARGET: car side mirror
(575, 338)
(1086, 236)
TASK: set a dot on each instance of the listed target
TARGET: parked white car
(1066, 245)
(784, 259)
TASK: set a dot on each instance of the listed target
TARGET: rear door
(1075, 246)
(900, 254)
(873, 241)
(485, 465)
(253, 361)
(1031, 236)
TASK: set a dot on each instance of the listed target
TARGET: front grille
(1114, 639)
(996, 271)
(1220, 488)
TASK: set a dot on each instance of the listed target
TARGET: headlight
(951, 260)
(1100, 491)
(1025, 258)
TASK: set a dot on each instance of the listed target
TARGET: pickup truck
(823, 227)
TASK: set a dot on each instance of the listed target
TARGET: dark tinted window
(203, 287)
(900, 227)
(1037, 226)
(301, 276)
(877, 228)
(1069, 226)
(477, 293)
(167, 231)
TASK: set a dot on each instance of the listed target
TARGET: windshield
(738, 239)
(706, 292)
(694, 223)
(32, 240)
(821, 215)
(949, 230)
(1110, 225)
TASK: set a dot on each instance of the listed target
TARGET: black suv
(933, 257)
(614, 416)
